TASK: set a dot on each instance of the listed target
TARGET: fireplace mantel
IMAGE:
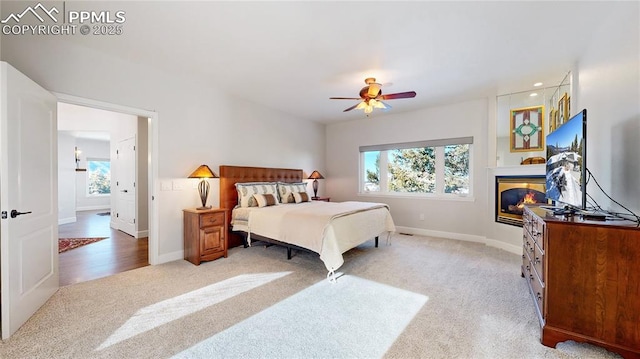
(523, 170)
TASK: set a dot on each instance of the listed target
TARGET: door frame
(152, 134)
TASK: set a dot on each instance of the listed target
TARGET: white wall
(461, 217)
(608, 86)
(66, 178)
(197, 123)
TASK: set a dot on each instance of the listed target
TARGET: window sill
(434, 197)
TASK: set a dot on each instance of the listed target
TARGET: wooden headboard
(230, 175)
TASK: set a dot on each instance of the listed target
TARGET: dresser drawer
(537, 260)
(529, 245)
(537, 289)
(212, 219)
(527, 264)
(537, 231)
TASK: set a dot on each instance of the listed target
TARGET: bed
(326, 228)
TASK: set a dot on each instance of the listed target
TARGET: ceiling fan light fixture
(361, 106)
(377, 104)
(372, 97)
(374, 90)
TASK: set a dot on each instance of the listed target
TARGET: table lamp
(315, 176)
(203, 172)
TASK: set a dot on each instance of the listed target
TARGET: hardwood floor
(118, 253)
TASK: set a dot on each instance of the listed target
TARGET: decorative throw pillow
(286, 190)
(248, 189)
(301, 197)
(266, 199)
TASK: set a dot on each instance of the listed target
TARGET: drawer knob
(536, 261)
(539, 296)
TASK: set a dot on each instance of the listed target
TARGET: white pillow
(248, 189)
(266, 199)
(285, 190)
(301, 197)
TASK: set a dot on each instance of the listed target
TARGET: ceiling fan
(371, 96)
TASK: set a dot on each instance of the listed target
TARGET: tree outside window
(456, 169)
(441, 169)
(98, 177)
(412, 170)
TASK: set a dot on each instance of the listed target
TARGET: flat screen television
(567, 163)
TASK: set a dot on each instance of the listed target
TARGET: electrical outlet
(422, 216)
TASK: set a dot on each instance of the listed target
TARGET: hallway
(118, 253)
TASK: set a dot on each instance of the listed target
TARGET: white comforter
(327, 228)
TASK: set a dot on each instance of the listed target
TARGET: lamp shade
(315, 175)
(203, 172)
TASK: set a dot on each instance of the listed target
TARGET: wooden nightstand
(326, 199)
(205, 234)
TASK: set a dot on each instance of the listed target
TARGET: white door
(126, 186)
(28, 200)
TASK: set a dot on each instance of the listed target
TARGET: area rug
(65, 244)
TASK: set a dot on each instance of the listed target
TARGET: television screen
(566, 163)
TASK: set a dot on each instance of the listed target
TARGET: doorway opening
(128, 225)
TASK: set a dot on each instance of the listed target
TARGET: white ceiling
(293, 56)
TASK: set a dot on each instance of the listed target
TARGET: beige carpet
(456, 300)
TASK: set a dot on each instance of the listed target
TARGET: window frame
(439, 146)
(87, 181)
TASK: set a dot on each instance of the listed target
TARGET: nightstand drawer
(211, 219)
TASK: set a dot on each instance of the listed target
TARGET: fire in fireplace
(513, 193)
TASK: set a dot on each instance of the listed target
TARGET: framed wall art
(527, 129)
(552, 119)
(563, 109)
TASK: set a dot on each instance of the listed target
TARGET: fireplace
(513, 193)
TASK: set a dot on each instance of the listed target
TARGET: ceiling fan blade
(393, 96)
(345, 98)
(387, 107)
(352, 107)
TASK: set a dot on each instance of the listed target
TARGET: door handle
(15, 213)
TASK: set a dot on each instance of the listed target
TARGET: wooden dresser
(584, 277)
(205, 234)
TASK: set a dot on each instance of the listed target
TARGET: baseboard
(461, 237)
(170, 257)
(67, 220)
(142, 234)
(92, 208)
(504, 246)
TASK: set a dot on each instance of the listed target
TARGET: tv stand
(583, 276)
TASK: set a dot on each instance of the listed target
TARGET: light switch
(178, 185)
(165, 186)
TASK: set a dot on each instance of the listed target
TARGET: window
(98, 177)
(429, 168)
